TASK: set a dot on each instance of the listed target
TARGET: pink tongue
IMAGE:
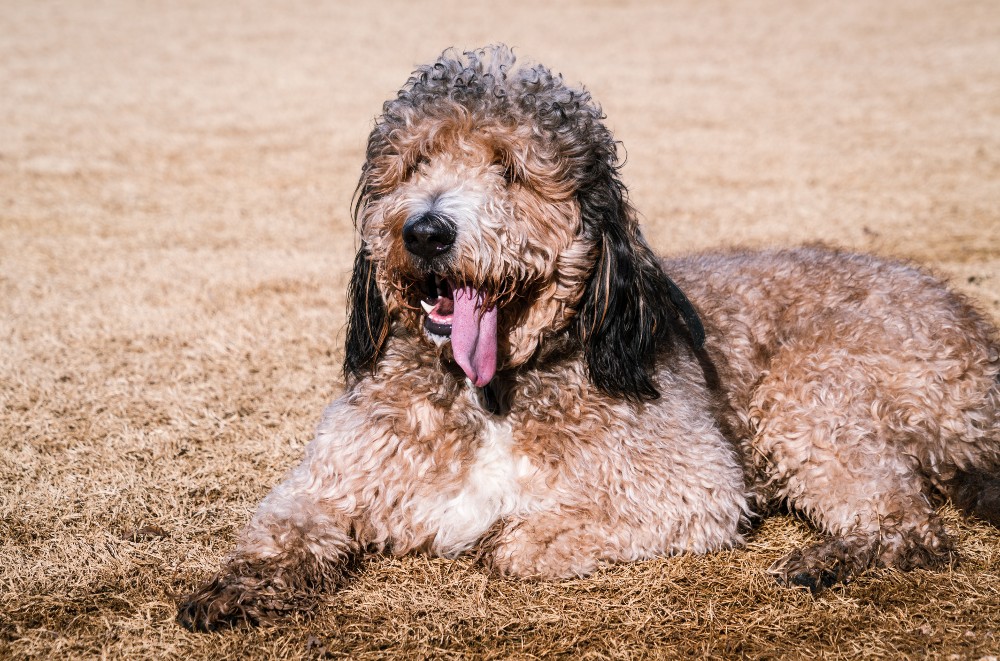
(474, 336)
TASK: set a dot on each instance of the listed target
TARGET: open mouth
(458, 313)
(439, 305)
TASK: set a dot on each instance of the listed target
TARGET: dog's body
(556, 402)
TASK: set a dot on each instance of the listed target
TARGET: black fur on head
(630, 310)
(367, 319)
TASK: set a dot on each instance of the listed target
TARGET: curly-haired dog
(525, 381)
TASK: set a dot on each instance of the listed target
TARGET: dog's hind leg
(975, 485)
(822, 439)
(875, 518)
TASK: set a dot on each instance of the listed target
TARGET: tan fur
(849, 388)
(861, 388)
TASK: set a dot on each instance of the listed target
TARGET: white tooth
(426, 306)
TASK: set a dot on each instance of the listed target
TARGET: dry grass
(174, 240)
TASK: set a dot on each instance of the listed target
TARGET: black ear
(367, 319)
(631, 310)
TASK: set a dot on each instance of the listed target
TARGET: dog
(526, 381)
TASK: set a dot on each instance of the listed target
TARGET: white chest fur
(493, 487)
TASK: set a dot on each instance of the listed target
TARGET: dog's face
(477, 240)
(491, 218)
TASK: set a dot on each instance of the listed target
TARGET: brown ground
(174, 239)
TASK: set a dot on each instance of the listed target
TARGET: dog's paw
(799, 569)
(817, 567)
(253, 591)
(226, 601)
(238, 595)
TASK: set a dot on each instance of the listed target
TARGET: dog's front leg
(302, 540)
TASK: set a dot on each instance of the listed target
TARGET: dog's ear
(630, 309)
(367, 319)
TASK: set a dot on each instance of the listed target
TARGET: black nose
(428, 235)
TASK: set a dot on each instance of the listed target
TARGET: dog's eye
(509, 170)
(415, 165)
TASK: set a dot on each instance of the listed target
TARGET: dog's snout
(428, 235)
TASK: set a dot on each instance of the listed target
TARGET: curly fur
(631, 414)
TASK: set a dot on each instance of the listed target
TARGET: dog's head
(492, 218)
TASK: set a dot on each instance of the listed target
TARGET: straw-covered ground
(175, 181)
